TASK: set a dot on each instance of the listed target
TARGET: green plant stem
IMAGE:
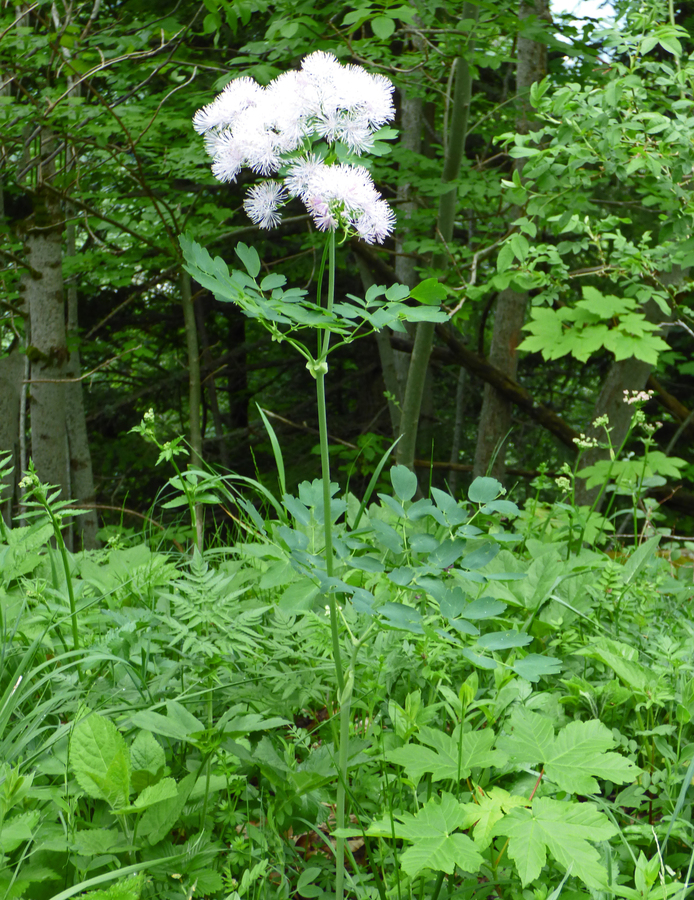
(43, 499)
(343, 761)
(323, 347)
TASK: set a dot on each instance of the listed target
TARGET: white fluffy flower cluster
(264, 127)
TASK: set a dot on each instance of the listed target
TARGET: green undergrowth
(519, 704)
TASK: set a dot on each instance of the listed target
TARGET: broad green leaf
(424, 314)
(632, 673)
(100, 760)
(160, 818)
(179, 724)
(394, 293)
(404, 482)
(573, 758)
(480, 556)
(484, 490)
(532, 667)
(434, 845)
(397, 615)
(483, 608)
(605, 306)
(429, 291)
(505, 258)
(447, 757)
(162, 790)
(491, 806)
(96, 841)
(18, 829)
(503, 640)
(566, 830)
(383, 27)
(272, 281)
(249, 257)
(147, 760)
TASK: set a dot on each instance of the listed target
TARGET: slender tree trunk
(424, 337)
(496, 415)
(81, 474)
(194, 390)
(42, 286)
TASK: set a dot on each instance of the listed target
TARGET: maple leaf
(490, 808)
(448, 756)
(431, 832)
(572, 758)
(566, 830)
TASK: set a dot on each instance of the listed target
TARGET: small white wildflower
(237, 96)
(637, 396)
(262, 202)
(301, 173)
(585, 443)
(600, 421)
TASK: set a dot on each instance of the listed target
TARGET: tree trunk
(496, 414)
(42, 286)
(455, 148)
(81, 475)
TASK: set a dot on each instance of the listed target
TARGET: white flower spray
(272, 129)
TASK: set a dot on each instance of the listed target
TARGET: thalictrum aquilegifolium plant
(307, 128)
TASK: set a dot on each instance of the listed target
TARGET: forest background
(563, 209)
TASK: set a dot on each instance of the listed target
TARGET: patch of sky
(599, 13)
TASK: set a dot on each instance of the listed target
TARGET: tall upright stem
(321, 371)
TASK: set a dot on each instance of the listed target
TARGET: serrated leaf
(573, 759)
(434, 845)
(100, 760)
(566, 830)
(447, 757)
(491, 806)
(154, 793)
(147, 761)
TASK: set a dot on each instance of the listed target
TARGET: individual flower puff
(255, 127)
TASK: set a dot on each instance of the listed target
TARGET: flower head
(249, 126)
(262, 202)
(341, 196)
(631, 397)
